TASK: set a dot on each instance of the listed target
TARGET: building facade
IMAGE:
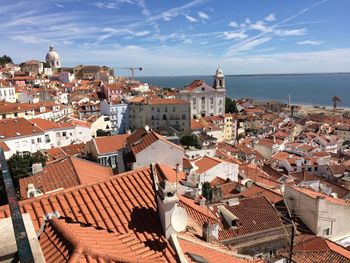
(205, 100)
(118, 114)
(161, 115)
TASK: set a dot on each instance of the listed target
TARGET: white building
(208, 168)
(324, 215)
(7, 93)
(147, 147)
(118, 114)
(206, 100)
(20, 135)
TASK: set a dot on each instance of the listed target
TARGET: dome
(219, 73)
(52, 54)
(53, 58)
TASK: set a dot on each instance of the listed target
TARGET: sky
(168, 37)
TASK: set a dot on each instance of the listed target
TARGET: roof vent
(18, 134)
(229, 217)
(32, 191)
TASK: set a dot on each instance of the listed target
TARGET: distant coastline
(304, 88)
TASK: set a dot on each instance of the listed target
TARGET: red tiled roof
(208, 252)
(45, 124)
(111, 144)
(55, 154)
(159, 101)
(122, 205)
(65, 173)
(4, 146)
(169, 173)
(254, 214)
(313, 194)
(17, 127)
(256, 190)
(142, 138)
(197, 212)
(206, 163)
(320, 250)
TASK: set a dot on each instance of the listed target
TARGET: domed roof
(52, 54)
(219, 73)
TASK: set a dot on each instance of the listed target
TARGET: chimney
(167, 202)
(37, 168)
(210, 232)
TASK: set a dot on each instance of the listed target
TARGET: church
(53, 58)
(205, 100)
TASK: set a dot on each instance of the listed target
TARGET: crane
(132, 69)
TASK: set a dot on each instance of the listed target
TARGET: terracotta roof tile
(111, 144)
(64, 174)
(123, 204)
(254, 214)
(142, 138)
(256, 190)
(320, 250)
(206, 163)
(10, 128)
(208, 252)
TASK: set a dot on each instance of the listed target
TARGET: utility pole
(292, 240)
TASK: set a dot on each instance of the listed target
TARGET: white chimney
(37, 168)
(32, 191)
(167, 202)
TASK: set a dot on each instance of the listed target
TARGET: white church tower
(219, 79)
(53, 58)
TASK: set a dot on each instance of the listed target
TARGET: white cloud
(187, 41)
(310, 42)
(169, 15)
(291, 32)
(248, 45)
(142, 5)
(247, 21)
(270, 17)
(203, 15)
(141, 33)
(106, 5)
(29, 39)
(191, 18)
(233, 24)
(234, 35)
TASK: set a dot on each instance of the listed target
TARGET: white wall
(224, 170)
(159, 152)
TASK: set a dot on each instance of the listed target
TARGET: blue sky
(168, 37)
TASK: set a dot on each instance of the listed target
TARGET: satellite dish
(179, 219)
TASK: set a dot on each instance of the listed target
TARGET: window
(64, 134)
(194, 101)
(33, 141)
(211, 100)
(174, 109)
(164, 117)
(38, 140)
(158, 110)
(166, 109)
(326, 232)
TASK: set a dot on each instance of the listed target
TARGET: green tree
(189, 141)
(20, 166)
(230, 106)
(5, 59)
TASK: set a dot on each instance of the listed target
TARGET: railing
(23, 246)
